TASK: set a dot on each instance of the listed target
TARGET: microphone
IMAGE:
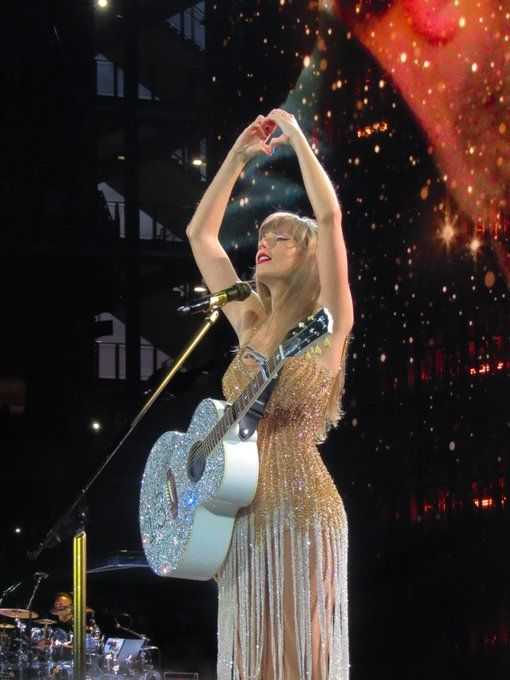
(12, 588)
(239, 291)
(42, 575)
(34, 554)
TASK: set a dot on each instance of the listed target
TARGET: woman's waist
(281, 436)
(299, 505)
(293, 476)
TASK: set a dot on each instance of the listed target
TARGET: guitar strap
(249, 422)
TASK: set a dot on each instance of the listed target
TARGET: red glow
(471, 349)
(410, 375)
(413, 507)
(441, 500)
(426, 367)
(442, 363)
(486, 368)
(483, 502)
(499, 637)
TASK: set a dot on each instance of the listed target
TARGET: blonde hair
(301, 297)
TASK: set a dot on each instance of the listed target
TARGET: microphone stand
(8, 590)
(73, 521)
(140, 636)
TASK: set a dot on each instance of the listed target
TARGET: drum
(7, 633)
(61, 646)
(63, 670)
(41, 640)
(93, 640)
(15, 650)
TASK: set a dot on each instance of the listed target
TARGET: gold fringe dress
(283, 608)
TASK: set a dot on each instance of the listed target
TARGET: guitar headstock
(307, 334)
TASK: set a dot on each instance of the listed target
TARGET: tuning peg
(301, 324)
(327, 343)
(317, 349)
(308, 356)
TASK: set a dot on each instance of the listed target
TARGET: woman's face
(277, 255)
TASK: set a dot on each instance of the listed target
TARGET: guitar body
(195, 482)
(187, 513)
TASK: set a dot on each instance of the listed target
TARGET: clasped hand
(253, 141)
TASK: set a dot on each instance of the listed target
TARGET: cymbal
(66, 611)
(45, 622)
(18, 613)
(4, 626)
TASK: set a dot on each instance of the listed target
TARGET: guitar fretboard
(242, 404)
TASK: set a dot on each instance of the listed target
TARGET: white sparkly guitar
(194, 483)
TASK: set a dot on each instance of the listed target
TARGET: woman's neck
(276, 290)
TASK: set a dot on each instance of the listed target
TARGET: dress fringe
(269, 631)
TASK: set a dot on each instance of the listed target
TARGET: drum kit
(33, 647)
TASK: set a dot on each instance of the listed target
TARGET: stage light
(102, 3)
(17, 530)
(448, 232)
(197, 161)
(484, 503)
(95, 425)
(474, 245)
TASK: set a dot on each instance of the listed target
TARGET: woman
(283, 587)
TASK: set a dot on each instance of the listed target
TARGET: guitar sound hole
(196, 462)
(172, 493)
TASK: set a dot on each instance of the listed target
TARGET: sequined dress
(283, 609)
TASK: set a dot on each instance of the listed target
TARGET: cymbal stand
(38, 580)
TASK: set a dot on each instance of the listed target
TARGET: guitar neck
(243, 403)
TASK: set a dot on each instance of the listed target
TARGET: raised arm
(203, 230)
(331, 251)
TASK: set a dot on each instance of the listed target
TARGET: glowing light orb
(448, 232)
